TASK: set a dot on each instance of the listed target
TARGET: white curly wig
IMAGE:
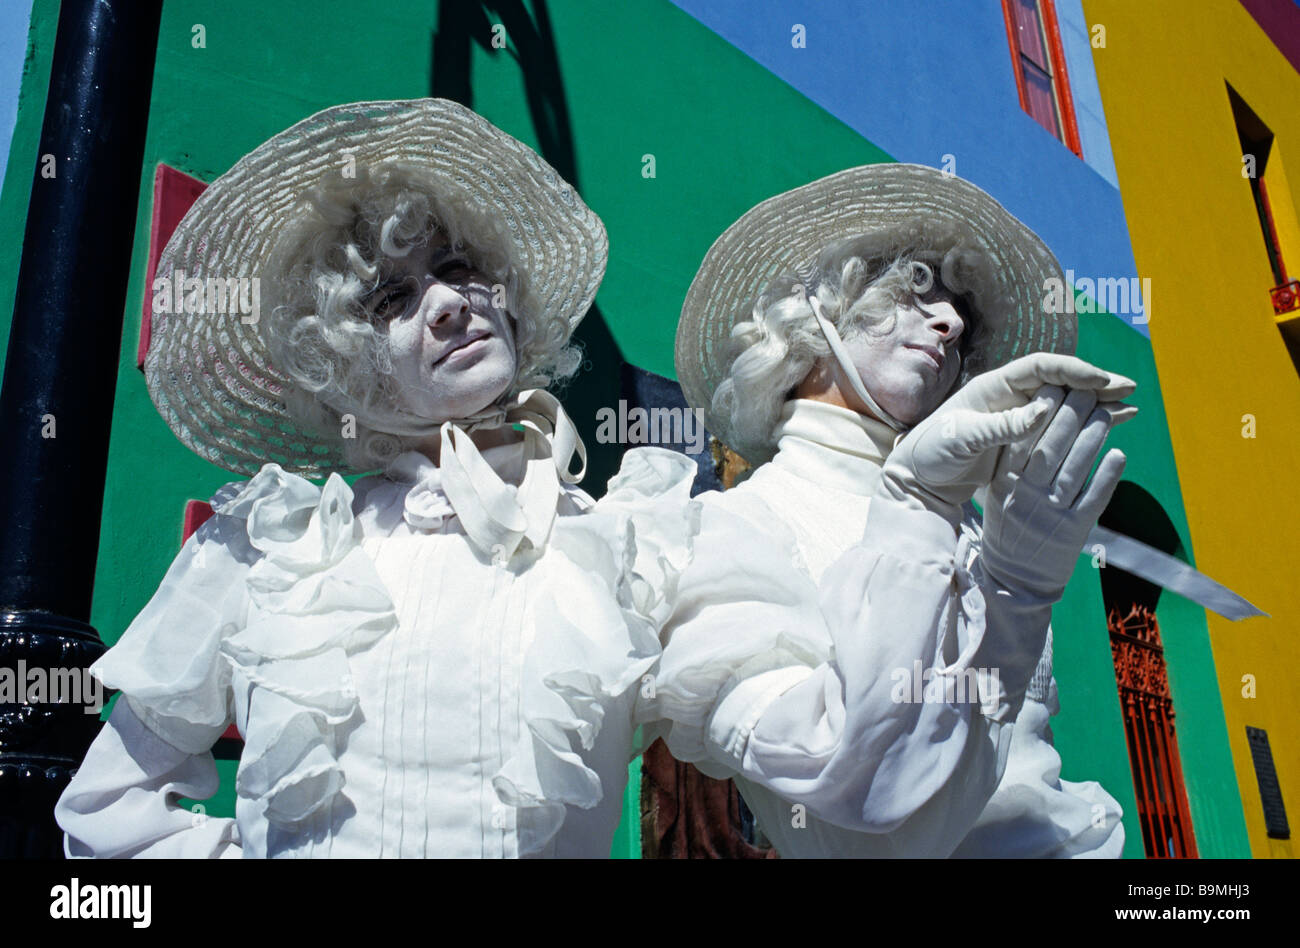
(338, 251)
(777, 347)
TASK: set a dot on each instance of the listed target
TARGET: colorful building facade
(1201, 103)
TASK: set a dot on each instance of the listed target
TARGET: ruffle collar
(424, 502)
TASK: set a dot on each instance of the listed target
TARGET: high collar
(832, 446)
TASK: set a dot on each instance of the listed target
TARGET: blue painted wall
(950, 90)
(15, 15)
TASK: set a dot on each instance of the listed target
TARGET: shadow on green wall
(462, 25)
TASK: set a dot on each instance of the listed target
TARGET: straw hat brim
(210, 375)
(906, 205)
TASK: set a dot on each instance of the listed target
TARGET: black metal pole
(56, 404)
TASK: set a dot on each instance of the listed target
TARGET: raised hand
(940, 463)
(1040, 503)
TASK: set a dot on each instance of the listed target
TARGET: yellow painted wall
(1220, 356)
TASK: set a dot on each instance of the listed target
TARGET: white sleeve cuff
(738, 713)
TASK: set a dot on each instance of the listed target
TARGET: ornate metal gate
(1149, 727)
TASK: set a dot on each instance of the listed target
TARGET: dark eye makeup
(453, 268)
(391, 299)
(394, 298)
(936, 291)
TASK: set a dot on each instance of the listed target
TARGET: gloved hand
(940, 463)
(1038, 510)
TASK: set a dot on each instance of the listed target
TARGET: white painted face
(910, 369)
(453, 351)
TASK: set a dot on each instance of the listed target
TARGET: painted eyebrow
(448, 250)
(438, 257)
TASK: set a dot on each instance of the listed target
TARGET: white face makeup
(910, 369)
(453, 352)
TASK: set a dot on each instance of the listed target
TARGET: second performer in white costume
(871, 664)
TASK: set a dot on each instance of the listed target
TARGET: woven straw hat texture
(906, 206)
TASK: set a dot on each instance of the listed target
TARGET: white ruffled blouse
(440, 663)
(804, 605)
(406, 683)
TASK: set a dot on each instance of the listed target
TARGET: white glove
(1038, 512)
(940, 463)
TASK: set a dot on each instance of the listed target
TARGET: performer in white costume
(442, 659)
(871, 664)
(450, 658)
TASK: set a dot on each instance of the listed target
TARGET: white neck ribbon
(498, 517)
(849, 370)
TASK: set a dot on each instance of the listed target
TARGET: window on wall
(1262, 171)
(1039, 63)
(1261, 167)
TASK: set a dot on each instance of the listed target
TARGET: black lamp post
(56, 404)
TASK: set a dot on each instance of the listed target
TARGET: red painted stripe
(1065, 100)
(173, 194)
(196, 513)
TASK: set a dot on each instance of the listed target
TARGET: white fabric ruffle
(262, 620)
(747, 610)
(315, 599)
(608, 586)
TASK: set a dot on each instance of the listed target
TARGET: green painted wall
(1090, 730)
(638, 78)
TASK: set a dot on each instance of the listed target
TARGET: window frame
(1060, 77)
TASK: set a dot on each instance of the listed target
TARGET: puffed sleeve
(120, 804)
(1032, 812)
(856, 698)
(175, 704)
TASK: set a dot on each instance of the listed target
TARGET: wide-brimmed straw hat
(211, 375)
(903, 206)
